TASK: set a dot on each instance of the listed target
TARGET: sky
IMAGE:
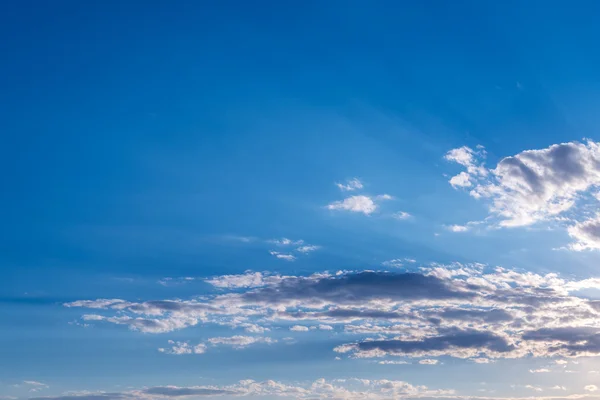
(299, 199)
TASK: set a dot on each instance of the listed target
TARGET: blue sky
(335, 199)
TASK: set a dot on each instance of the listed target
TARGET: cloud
(458, 310)
(428, 361)
(168, 281)
(538, 371)
(286, 242)
(247, 280)
(240, 342)
(461, 180)
(534, 388)
(34, 383)
(590, 388)
(531, 186)
(282, 256)
(402, 215)
(390, 362)
(457, 228)
(237, 342)
(350, 389)
(180, 348)
(398, 262)
(586, 234)
(361, 204)
(299, 328)
(357, 288)
(459, 343)
(307, 249)
(351, 185)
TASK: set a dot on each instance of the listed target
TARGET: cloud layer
(464, 311)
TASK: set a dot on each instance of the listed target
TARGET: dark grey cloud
(575, 340)
(97, 396)
(158, 391)
(453, 339)
(359, 287)
(172, 391)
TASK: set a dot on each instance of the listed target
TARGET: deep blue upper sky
(148, 140)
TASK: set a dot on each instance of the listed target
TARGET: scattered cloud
(282, 256)
(534, 388)
(240, 342)
(361, 204)
(538, 371)
(398, 262)
(457, 228)
(286, 242)
(351, 185)
(299, 328)
(175, 281)
(391, 362)
(180, 348)
(402, 215)
(307, 249)
(428, 361)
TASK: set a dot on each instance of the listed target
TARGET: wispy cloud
(282, 256)
(402, 215)
(457, 228)
(350, 185)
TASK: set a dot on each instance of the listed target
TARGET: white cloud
(325, 327)
(540, 370)
(390, 362)
(591, 388)
(35, 386)
(402, 215)
(467, 311)
(349, 389)
(481, 360)
(351, 185)
(299, 328)
(282, 256)
(457, 228)
(240, 342)
(247, 280)
(428, 361)
(534, 185)
(181, 348)
(286, 242)
(398, 262)
(586, 234)
(307, 249)
(534, 388)
(361, 203)
(461, 180)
